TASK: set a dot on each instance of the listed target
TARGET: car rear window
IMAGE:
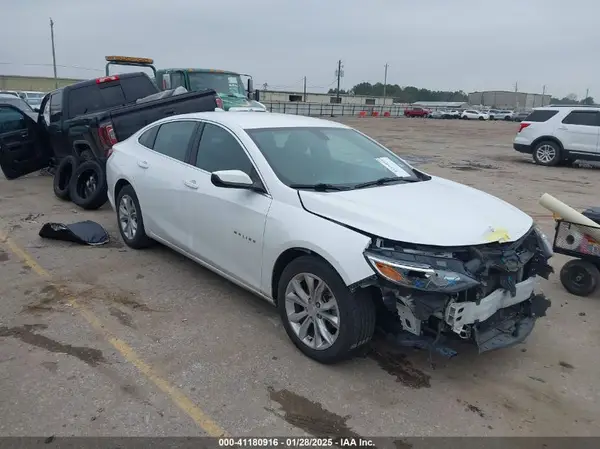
(94, 98)
(540, 116)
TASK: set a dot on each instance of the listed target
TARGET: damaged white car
(336, 230)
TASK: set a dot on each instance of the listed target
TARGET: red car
(416, 112)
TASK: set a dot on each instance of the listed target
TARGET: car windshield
(331, 157)
(226, 84)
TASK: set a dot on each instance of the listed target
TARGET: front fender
(290, 227)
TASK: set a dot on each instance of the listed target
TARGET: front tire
(326, 321)
(580, 277)
(547, 153)
(130, 219)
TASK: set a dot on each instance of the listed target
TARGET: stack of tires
(81, 180)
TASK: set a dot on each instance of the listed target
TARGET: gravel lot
(112, 341)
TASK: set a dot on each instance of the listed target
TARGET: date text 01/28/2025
(295, 442)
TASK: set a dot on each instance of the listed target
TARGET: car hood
(437, 212)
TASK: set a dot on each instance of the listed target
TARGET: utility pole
(385, 82)
(587, 93)
(305, 89)
(517, 95)
(543, 93)
(53, 53)
(339, 75)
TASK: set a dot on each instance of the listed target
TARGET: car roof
(254, 120)
(568, 108)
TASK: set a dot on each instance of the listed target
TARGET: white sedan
(472, 114)
(333, 228)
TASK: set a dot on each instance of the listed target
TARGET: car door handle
(563, 128)
(143, 164)
(24, 134)
(191, 184)
(170, 111)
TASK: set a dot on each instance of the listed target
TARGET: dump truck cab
(233, 93)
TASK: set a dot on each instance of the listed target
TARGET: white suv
(560, 135)
(472, 114)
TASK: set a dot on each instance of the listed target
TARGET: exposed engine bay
(484, 294)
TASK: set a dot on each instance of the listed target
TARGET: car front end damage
(484, 294)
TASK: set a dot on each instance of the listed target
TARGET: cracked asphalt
(109, 341)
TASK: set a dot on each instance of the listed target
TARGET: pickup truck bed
(124, 121)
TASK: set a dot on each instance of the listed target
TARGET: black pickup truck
(85, 119)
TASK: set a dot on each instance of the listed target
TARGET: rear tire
(88, 188)
(580, 277)
(130, 219)
(547, 153)
(62, 177)
(354, 311)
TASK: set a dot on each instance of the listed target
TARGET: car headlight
(544, 242)
(419, 276)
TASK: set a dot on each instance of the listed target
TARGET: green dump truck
(233, 93)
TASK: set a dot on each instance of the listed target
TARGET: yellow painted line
(201, 418)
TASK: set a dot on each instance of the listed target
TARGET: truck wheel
(580, 277)
(88, 187)
(62, 177)
(546, 153)
(326, 321)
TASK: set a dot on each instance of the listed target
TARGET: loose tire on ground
(129, 218)
(62, 177)
(355, 311)
(88, 188)
(547, 153)
(580, 277)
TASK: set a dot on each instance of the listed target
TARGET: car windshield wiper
(321, 186)
(383, 181)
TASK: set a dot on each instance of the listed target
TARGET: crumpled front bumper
(500, 319)
(511, 325)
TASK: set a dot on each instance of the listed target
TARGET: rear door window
(586, 118)
(540, 116)
(11, 120)
(173, 139)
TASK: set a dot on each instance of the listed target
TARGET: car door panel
(163, 171)
(577, 136)
(21, 151)
(227, 225)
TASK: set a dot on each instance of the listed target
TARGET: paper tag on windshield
(393, 167)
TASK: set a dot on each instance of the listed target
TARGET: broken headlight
(420, 276)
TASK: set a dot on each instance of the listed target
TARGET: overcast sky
(435, 44)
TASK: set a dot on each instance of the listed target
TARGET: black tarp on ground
(84, 232)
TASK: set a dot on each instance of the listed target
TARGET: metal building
(504, 99)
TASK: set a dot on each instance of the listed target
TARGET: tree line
(411, 94)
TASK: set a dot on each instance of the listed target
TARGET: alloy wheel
(546, 153)
(128, 217)
(312, 311)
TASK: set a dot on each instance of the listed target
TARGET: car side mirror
(232, 179)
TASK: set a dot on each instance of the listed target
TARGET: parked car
(416, 112)
(472, 114)
(520, 116)
(14, 93)
(329, 225)
(454, 113)
(560, 135)
(438, 113)
(500, 114)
